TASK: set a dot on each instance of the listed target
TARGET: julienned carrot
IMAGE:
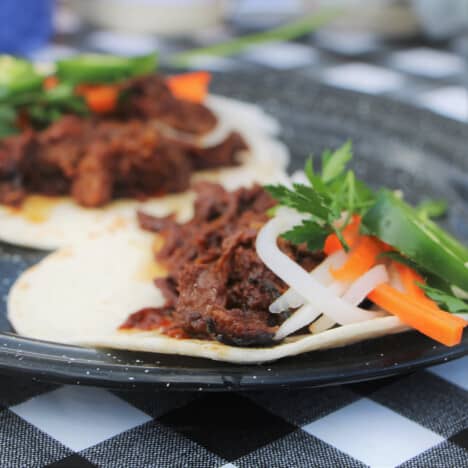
(409, 280)
(100, 98)
(361, 258)
(50, 82)
(435, 323)
(350, 234)
(190, 86)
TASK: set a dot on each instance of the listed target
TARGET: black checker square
(156, 404)
(73, 461)
(300, 407)
(298, 449)
(15, 390)
(428, 400)
(444, 455)
(23, 445)
(461, 439)
(151, 445)
(227, 424)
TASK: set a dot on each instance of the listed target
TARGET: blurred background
(413, 50)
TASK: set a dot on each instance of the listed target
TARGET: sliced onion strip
(292, 299)
(322, 324)
(306, 314)
(299, 279)
(365, 284)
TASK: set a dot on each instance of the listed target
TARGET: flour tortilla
(81, 294)
(46, 224)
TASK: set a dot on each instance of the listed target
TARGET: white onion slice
(394, 278)
(321, 324)
(305, 315)
(299, 279)
(365, 284)
(299, 319)
(292, 299)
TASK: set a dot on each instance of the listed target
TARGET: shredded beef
(217, 287)
(148, 97)
(127, 154)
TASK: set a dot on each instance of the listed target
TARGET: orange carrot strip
(190, 86)
(50, 82)
(434, 323)
(409, 280)
(350, 234)
(100, 98)
(361, 258)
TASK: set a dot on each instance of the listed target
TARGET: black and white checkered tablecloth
(420, 420)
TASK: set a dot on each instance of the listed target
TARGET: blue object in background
(26, 25)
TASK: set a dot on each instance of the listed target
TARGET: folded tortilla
(50, 223)
(81, 295)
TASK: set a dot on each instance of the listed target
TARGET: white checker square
(210, 63)
(80, 417)
(228, 465)
(455, 372)
(374, 434)
(281, 55)
(363, 77)
(348, 43)
(123, 44)
(427, 62)
(451, 101)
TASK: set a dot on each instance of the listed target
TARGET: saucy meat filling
(123, 154)
(217, 287)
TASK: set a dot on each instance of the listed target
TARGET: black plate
(396, 145)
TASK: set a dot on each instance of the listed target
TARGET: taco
(92, 143)
(254, 275)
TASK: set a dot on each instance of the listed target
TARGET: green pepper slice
(17, 76)
(421, 240)
(100, 68)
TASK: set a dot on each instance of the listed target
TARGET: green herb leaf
(330, 194)
(308, 232)
(286, 32)
(334, 164)
(446, 301)
(432, 208)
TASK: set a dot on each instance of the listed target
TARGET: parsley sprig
(333, 193)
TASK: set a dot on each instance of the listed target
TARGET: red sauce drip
(152, 318)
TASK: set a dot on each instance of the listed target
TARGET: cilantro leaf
(331, 193)
(334, 164)
(309, 232)
(445, 300)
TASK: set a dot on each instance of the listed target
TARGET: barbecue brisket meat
(126, 154)
(217, 287)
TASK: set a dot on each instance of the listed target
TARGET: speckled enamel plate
(395, 145)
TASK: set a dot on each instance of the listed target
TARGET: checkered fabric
(420, 420)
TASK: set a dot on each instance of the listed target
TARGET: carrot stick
(100, 98)
(190, 86)
(350, 234)
(50, 82)
(361, 258)
(434, 323)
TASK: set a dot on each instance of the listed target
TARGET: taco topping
(248, 272)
